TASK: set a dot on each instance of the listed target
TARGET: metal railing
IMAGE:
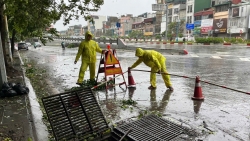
(99, 40)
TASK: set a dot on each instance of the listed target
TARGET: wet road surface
(226, 112)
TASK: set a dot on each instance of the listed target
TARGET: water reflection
(161, 105)
(131, 91)
(197, 106)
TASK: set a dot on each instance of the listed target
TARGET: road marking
(216, 57)
(245, 59)
(222, 52)
(194, 55)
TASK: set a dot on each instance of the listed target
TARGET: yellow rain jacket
(156, 61)
(87, 50)
(150, 58)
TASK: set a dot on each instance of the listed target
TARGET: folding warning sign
(110, 65)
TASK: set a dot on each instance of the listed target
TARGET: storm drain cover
(151, 128)
(74, 115)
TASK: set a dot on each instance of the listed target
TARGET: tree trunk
(2, 35)
(13, 41)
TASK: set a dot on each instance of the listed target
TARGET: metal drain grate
(74, 115)
(151, 128)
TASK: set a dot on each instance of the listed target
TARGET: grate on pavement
(153, 128)
(74, 115)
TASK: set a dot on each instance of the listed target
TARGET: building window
(151, 29)
(176, 10)
(189, 19)
(204, 17)
(210, 16)
(222, 8)
(190, 9)
(196, 18)
(169, 11)
(213, 3)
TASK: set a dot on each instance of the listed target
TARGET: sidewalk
(17, 122)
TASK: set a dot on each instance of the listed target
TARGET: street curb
(40, 131)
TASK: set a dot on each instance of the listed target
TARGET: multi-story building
(176, 13)
(63, 33)
(75, 30)
(126, 25)
(194, 6)
(109, 26)
(97, 24)
(147, 15)
(149, 26)
(238, 20)
(85, 29)
(138, 27)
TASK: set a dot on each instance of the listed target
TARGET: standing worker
(157, 62)
(63, 45)
(87, 49)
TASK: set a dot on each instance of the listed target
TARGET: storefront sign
(197, 23)
(206, 26)
(220, 25)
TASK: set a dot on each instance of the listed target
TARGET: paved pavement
(21, 109)
(16, 121)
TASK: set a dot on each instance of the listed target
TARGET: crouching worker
(157, 62)
(87, 50)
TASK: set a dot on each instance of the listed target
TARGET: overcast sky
(114, 8)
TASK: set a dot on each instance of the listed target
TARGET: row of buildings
(219, 18)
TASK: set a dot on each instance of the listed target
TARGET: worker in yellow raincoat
(157, 62)
(87, 50)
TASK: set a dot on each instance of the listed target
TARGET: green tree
(31, 18)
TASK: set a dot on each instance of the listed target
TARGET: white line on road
(216, 57)
(194, 55)
(245, 59)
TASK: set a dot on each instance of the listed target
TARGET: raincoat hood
(139, 52)
(88, 33)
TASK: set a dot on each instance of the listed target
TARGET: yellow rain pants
(87, 51)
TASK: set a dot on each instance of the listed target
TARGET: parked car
(22, 46)
(28, 43)
(37, 44)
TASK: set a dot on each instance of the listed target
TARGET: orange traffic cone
(197, 90)
(108, 47)
(131, 82)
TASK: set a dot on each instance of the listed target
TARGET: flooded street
(225, 111)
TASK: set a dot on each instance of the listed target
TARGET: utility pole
(3, 77)
(166, 32)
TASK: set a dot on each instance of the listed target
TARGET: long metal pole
(166, 34)
(193, 78)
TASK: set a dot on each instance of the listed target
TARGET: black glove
(159, 72)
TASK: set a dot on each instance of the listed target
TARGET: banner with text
(206, 26)
(220, 25)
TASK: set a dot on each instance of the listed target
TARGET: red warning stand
(110, 66)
